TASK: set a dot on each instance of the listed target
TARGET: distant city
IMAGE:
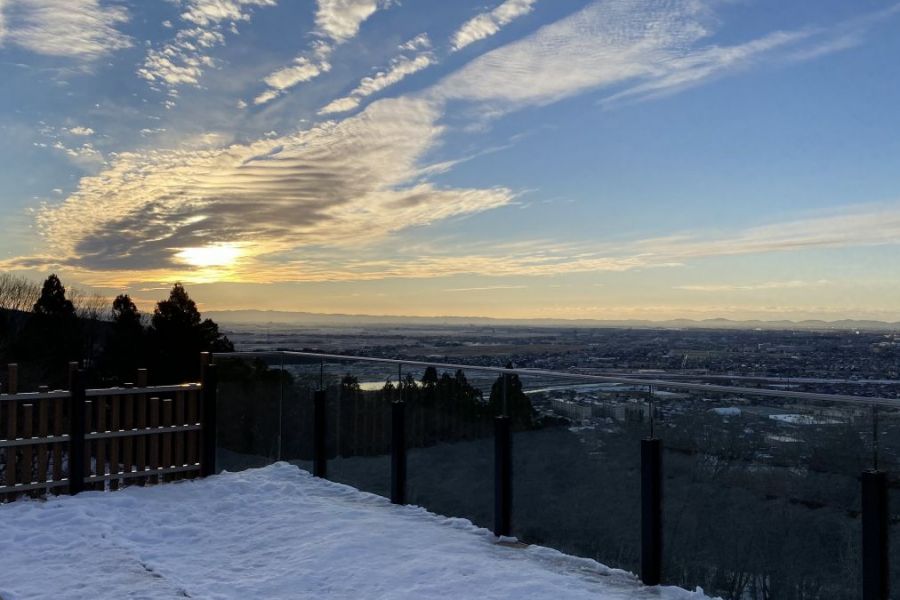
(824, 361)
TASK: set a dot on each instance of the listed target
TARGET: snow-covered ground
(277, 532)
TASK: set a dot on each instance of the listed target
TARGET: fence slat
(12, 420)
(88, 428)
(154, 439)
(114, 442)
(100, 445)
(166, 437)
(179, 437)
(193, 437)
(140, 443)
(128, 443)
(42, 430)
(27, 464)
(58, 428)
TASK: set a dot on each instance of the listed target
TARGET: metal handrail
(621, 379)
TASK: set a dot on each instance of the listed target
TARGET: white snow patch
(727, 411)
(794, 419)
(277, 532)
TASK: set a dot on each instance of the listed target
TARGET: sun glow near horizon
(214, 255)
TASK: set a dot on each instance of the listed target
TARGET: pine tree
(179, 335)
(51, 336)
(518, 406)
(53, 302)
(126, 349)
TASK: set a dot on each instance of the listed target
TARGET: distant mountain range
(263, 317)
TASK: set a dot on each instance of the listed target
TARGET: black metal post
(320, 460)
(651, 511)
(398, 452)
(875, 527)
(76, 433)
(208, 425)
(502, 476)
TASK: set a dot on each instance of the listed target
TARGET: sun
(216, 255)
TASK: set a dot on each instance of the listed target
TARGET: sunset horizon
(514, 159)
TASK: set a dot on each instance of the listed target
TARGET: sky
(605, 159)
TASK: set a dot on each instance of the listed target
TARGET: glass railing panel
(449, 431)
(303, 376)
(761, 495)
(359, 397)
(248, 411)
(576, 468)
(889, 461)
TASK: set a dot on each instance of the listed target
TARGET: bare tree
(17, 292)
(90, 306)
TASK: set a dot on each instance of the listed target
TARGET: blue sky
(518, 158)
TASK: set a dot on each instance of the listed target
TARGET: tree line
(45, 326)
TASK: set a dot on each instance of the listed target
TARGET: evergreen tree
(53, 302)
(51, 336)
(518, 406)
(126, 349)
(125, 313)
(429, 377)
(179, 335)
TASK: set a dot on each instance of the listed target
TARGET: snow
(278, 532)
(793, 419)
(727, 411)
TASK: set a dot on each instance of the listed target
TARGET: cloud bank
(336, 184)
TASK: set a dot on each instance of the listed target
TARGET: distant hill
(263, 317)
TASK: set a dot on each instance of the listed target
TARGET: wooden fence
(136, 434)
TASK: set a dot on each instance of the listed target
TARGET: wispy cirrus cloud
(487, 288)
(489, 23)
(336, 22)
(79, 29)
(400, 67)
(340, 19)
(182, 60)
(604, 44)
(652, 49)
(793, 284)
(303, 68)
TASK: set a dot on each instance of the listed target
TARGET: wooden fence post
(76, 433)
(73, 368)
(208, 428)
